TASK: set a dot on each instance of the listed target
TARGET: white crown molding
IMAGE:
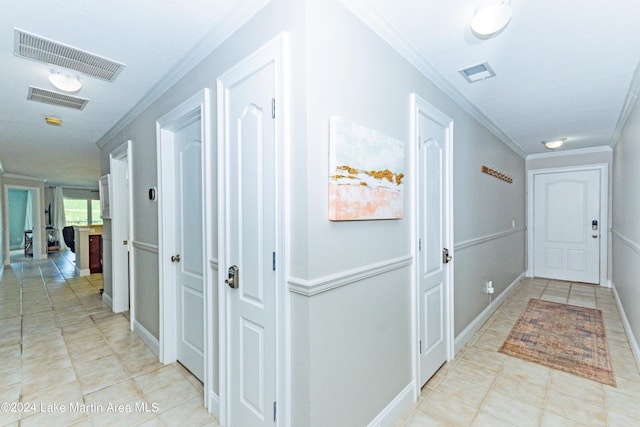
(220, 31)
(382, 28)
(30, 178)
(577, 151)
(627, 107)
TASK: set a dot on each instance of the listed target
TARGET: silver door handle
(175, 258)
(234, 277)
(595, 236)
(446, 258)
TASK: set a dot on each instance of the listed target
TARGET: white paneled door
(189, 241)
(567, 226)
(251, 245)
(433, 254)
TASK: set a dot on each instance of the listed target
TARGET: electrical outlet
(489, 287)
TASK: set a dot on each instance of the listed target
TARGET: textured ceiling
(149, 36)
(563, 67)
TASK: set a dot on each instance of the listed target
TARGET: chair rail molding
(322, 284)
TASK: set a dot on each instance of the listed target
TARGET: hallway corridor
(482, 387)
(61, 347)
(68, 360)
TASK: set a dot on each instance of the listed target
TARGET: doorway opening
(32, 238)
(186, 246)
(120, 210)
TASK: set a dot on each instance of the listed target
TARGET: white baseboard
(468, 333)
(213, 405)
(395, 408)
(147, 337)
(85, 272)
(635, 349)
(106, 298)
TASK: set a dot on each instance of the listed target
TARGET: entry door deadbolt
(234, 277)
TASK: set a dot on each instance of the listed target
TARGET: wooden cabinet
(95, 253)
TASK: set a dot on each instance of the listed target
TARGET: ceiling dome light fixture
(53, 121)
(65, 81)
(492, 17)
(554, 144)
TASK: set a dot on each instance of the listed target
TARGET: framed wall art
(366, 173)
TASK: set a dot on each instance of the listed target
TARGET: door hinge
(273, 261)
(420, 346)
(275, 410)
(273, 108)
(419, 245)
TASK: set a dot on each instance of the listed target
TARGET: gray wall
(350, 346)
(263, 27)
(358, 335)
(626, 223)
(2, 208)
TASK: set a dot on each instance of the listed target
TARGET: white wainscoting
(474, 326)
(635, 348)
(394, 410)
(147, 337)
(106, 298)
(147, 247)
(332, 281)
(465, 336)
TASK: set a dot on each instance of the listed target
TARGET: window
(82, 212)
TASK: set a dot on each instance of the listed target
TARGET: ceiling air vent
(37, 48)
(55, 98)
(477, 72)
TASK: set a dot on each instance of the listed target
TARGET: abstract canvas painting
(366, 172)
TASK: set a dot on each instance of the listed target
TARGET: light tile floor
(61, 349)
(482, 387)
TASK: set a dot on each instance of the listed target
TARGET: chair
(68, 235)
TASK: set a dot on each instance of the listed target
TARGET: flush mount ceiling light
(65, 81)
(492, 17)
(554, 144)
(53, 121)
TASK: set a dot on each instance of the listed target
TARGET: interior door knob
(446, 258)
(175, 258)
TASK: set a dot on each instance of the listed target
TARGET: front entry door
(190, 251)
(251, 245)
(432, 252)
(567, 226)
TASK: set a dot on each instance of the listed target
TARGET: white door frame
(603, 168)
(39, 252)
(121, 206)
(420, 106)
(196, 107)
(275, 51)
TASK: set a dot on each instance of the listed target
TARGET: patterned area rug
(564, 337)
